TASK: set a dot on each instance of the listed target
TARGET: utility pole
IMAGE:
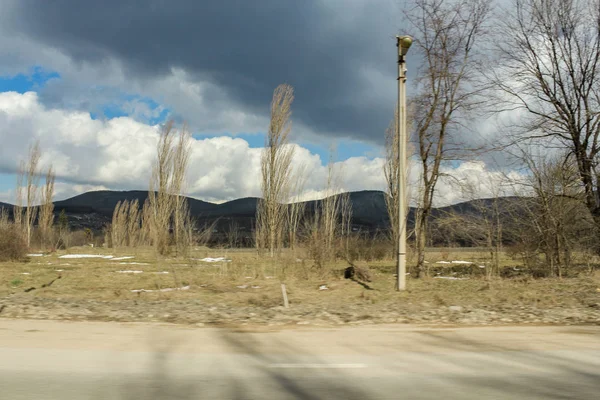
(403, 43)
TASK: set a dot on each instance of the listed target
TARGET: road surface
(88, 360)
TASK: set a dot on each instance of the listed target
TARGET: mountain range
(94, 210)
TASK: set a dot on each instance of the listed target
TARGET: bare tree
(553, 218)
(161, 203)
(276, 161)
(145, 234)
(391, 170)
(550, 69)
(46, 219)
(133, 223)
(296, 208)
(29, 176)
(486, 227)
(448, 32)
(167, 208)
(18, 207)
(181, 157)
(118, 228)
(330, 211)
(346, 222)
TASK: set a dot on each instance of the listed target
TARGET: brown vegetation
(276, 161)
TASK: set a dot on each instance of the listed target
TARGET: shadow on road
(512, 373)
(264, 382)
(454, 367)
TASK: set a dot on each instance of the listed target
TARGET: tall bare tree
(46, 218)
(160, 200)
(391, 170)
(118, 227)
(168, 209)
(276, 162)
(296, 207)
(447, 35)
(550, 70)
(28, 190)
(181, 157)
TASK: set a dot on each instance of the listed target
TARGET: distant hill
(369, 213)
(104, 202)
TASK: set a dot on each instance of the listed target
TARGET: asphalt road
(80, 360)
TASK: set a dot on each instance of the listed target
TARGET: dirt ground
(244, 289)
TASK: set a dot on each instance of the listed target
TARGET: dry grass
(250, 280)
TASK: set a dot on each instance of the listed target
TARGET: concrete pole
(402, 167)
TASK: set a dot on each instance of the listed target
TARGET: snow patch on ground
(160, 290)
(85, 256)
(461, 262)
(451, 278)
(35, 255)
(128, 271)
(122, 258)
(443, 262)
(211, 260)
(133, 263)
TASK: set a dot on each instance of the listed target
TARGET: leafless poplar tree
(391, 170)
(331, 207)
(161, 203)
(447, 35)
(181, 157)
(550, 69)
(167, 207)
(46, 218)
(276, 161)
(133, 223)
(296, 207)
(28, 187)
(118, 228)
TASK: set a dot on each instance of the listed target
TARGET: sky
(93, 81)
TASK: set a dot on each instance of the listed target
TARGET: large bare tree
(447, 34)
(276, 163)
(549, 71)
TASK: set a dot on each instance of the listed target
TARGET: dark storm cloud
(334, 53)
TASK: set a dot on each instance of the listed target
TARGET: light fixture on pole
(403, 43)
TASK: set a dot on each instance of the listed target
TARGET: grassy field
(249, 280)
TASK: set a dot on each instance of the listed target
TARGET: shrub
(13, 246)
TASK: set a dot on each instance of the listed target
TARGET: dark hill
(104, 202)
(369, 213)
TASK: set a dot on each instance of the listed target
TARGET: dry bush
(362, 248)
(13, 245)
